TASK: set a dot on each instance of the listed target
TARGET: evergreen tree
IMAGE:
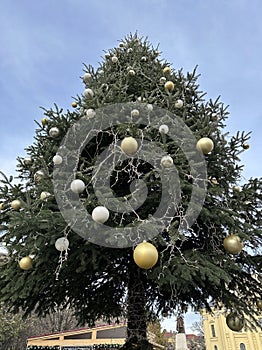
(97, 276)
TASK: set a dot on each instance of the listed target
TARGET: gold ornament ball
(205, 145)
(145, 255)
(236, 189)
(167, 70)
(26, 263)
(16, 204)
(44, 121)
(129, 145)
(246, 146)
(233, 244)
(235, 321)
(74, 104)
(214, 181)
(44, 195)
(259, 304)
(1, 206)
(169, 86)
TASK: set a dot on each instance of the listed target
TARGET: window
(213, 330)
(242, 346)
(260, 322)
(215, 347)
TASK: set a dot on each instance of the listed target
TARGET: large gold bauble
(26, 263)
(145, 255)
(169, 86)
(233, 244)
(246, 146)
(16, 204)
(129, 145)
(259, 304)
(74, 104)
(235, 321)
(205, 145)
(44, 121)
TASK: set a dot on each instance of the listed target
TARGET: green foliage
(193, 266)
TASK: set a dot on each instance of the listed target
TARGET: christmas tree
(131, 204)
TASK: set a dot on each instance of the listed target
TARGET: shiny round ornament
(74, 104)
(150, 107)
(62, 244)
(77, 186)
(26, 263)
(162, 80)
(131, 72)
(129, 145)
(163, 129)
(205, 145)
(145, 255)
(114, 59)
(121, 44)
(87, 77)
(135, 113)
(44, 195)
(16, 204)
(44, 121)
(179, 104)
(129, 50)
(107, 55)
(167, 70)
(144, 59)
(167, 162)
(88, 93)
(236, 189)
(4, 255)
(100, 214)
(169, 86)
(259, 304)
(141, 99)
(246, 146)
(100, 72)
(235, 321)
(214, 181)
(1, 206)
(57, 159)
(54, 132)
(90, 113)
(27, 161)
(39, 175)
(233, 244)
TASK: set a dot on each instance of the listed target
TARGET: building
(82, 338)
(219, 337)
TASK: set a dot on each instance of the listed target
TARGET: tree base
(142, 345)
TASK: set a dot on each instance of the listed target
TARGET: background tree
(98, 281)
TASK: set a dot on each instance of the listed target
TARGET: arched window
(242, 346)
(213, 332)
(215, 347)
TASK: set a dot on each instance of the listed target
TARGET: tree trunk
(136, 312)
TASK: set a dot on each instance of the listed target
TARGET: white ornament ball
(62, 244)
(179, 104)
(167, 162)
(141, 99)
(131, 72)
(144, 59)
(135, 113)
(39, 175)
(100, 214)
(87, 77)
(100, 71)
(129, 145)
(163, 129)
(88, 93)
(129, 50)
(150, 107)
(54, 132)
(77, 186)
(44, 195)
(28, 161)
(121, 44)
(205, 145)
(107, 55)
(57, 159)
(162, 80)
(90, 113)
(114, 59)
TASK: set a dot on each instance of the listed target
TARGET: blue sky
(44, 43)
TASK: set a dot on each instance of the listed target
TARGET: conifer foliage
(194, 267)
